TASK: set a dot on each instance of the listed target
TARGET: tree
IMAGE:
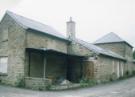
(134, 54)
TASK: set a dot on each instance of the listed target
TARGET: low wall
(37, 83)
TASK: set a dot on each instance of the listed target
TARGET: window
(3, 64)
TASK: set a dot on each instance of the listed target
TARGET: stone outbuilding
(36, 55)
(113, 42)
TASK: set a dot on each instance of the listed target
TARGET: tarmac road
(123, 88)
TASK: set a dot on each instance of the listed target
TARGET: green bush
(127, 73)
(87, 82)
(133, 72)
(48, 87)
(134, 54)
(113, 77)
(20, 83)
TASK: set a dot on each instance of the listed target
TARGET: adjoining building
(116, 44)
(36, 55)
(113, 42)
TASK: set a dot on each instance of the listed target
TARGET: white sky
(94, 18)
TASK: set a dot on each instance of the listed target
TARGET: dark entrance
(74, 68)
(54, 65)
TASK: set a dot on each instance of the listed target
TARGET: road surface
(123, 88)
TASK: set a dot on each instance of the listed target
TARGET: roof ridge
(11, 15)
(117, 35)
(28, 23)
(110, 37)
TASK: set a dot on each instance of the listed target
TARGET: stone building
(113, 42)
(36, 55)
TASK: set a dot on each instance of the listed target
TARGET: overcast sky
(94, 18)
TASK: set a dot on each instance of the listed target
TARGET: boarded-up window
(122, 71)
(113, 66)
(118, 69)
(3, 64)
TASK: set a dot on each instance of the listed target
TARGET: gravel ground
(123, 88)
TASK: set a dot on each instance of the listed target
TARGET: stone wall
(88, 69)
(130, 68)
(40, 40)
(107, 68)
(78, 49)
(120, 48)
(4, 26)
(37, 83)
(128, 52)
(14, 48)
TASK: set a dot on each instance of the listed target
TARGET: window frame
(4, 73)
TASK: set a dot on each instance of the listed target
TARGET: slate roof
(34, 25)
(110, 38)
(99, 50)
